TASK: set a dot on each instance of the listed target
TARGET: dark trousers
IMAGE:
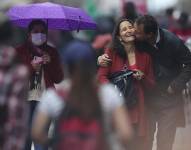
(137, 142)
(28, 144)
(166, 120)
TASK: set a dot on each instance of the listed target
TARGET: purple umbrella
(55, 15)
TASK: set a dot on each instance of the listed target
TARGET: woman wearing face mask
(43, 63)
(124, 55)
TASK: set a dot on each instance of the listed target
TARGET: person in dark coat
(172, 69)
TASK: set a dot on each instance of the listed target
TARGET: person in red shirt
(123, 54)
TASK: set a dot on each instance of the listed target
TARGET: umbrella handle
(47, 22)
(79, 22)
(47, 30)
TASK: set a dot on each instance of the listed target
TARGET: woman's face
(126, 32)
(38, 35)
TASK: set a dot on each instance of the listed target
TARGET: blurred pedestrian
(130, 11)
(43, 62)
(13, 93)
(183, 27)
(105, 26)
(84, 97)
(168, 21)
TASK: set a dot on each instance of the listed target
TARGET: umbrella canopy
(55, 15)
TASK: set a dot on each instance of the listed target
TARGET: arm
(54, 68)
(183, 57)
(39, 133)
(103, 72)
(122, 124)
(118, 110)
(49, 108)
(149, 80)
(24, 57)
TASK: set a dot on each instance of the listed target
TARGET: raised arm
(103, 71)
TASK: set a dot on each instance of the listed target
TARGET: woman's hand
(36, 66)
(138, 74)
(46, 58)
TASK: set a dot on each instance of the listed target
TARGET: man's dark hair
(37, 22)
(149, 22)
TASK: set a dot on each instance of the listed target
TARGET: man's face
(139, 32)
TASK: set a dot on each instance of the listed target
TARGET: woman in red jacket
(123, 55)
(44, 65)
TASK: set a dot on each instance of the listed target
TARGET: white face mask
(38, 38)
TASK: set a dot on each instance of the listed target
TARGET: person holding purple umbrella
(43, 63)
(56, 16)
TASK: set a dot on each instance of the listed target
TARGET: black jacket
(171, 61)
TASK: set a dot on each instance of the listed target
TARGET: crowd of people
(128, 78)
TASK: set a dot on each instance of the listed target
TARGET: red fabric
(53, 72)
(183, 34)
(77, 134)
(143, 63)
(101, 41)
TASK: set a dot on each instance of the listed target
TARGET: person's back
(73, 131)
(86, 102)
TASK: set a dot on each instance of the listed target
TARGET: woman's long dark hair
(83, 95)
(116, 43)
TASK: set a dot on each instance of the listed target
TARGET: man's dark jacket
(172, 66)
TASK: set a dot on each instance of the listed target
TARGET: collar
(158, 36)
